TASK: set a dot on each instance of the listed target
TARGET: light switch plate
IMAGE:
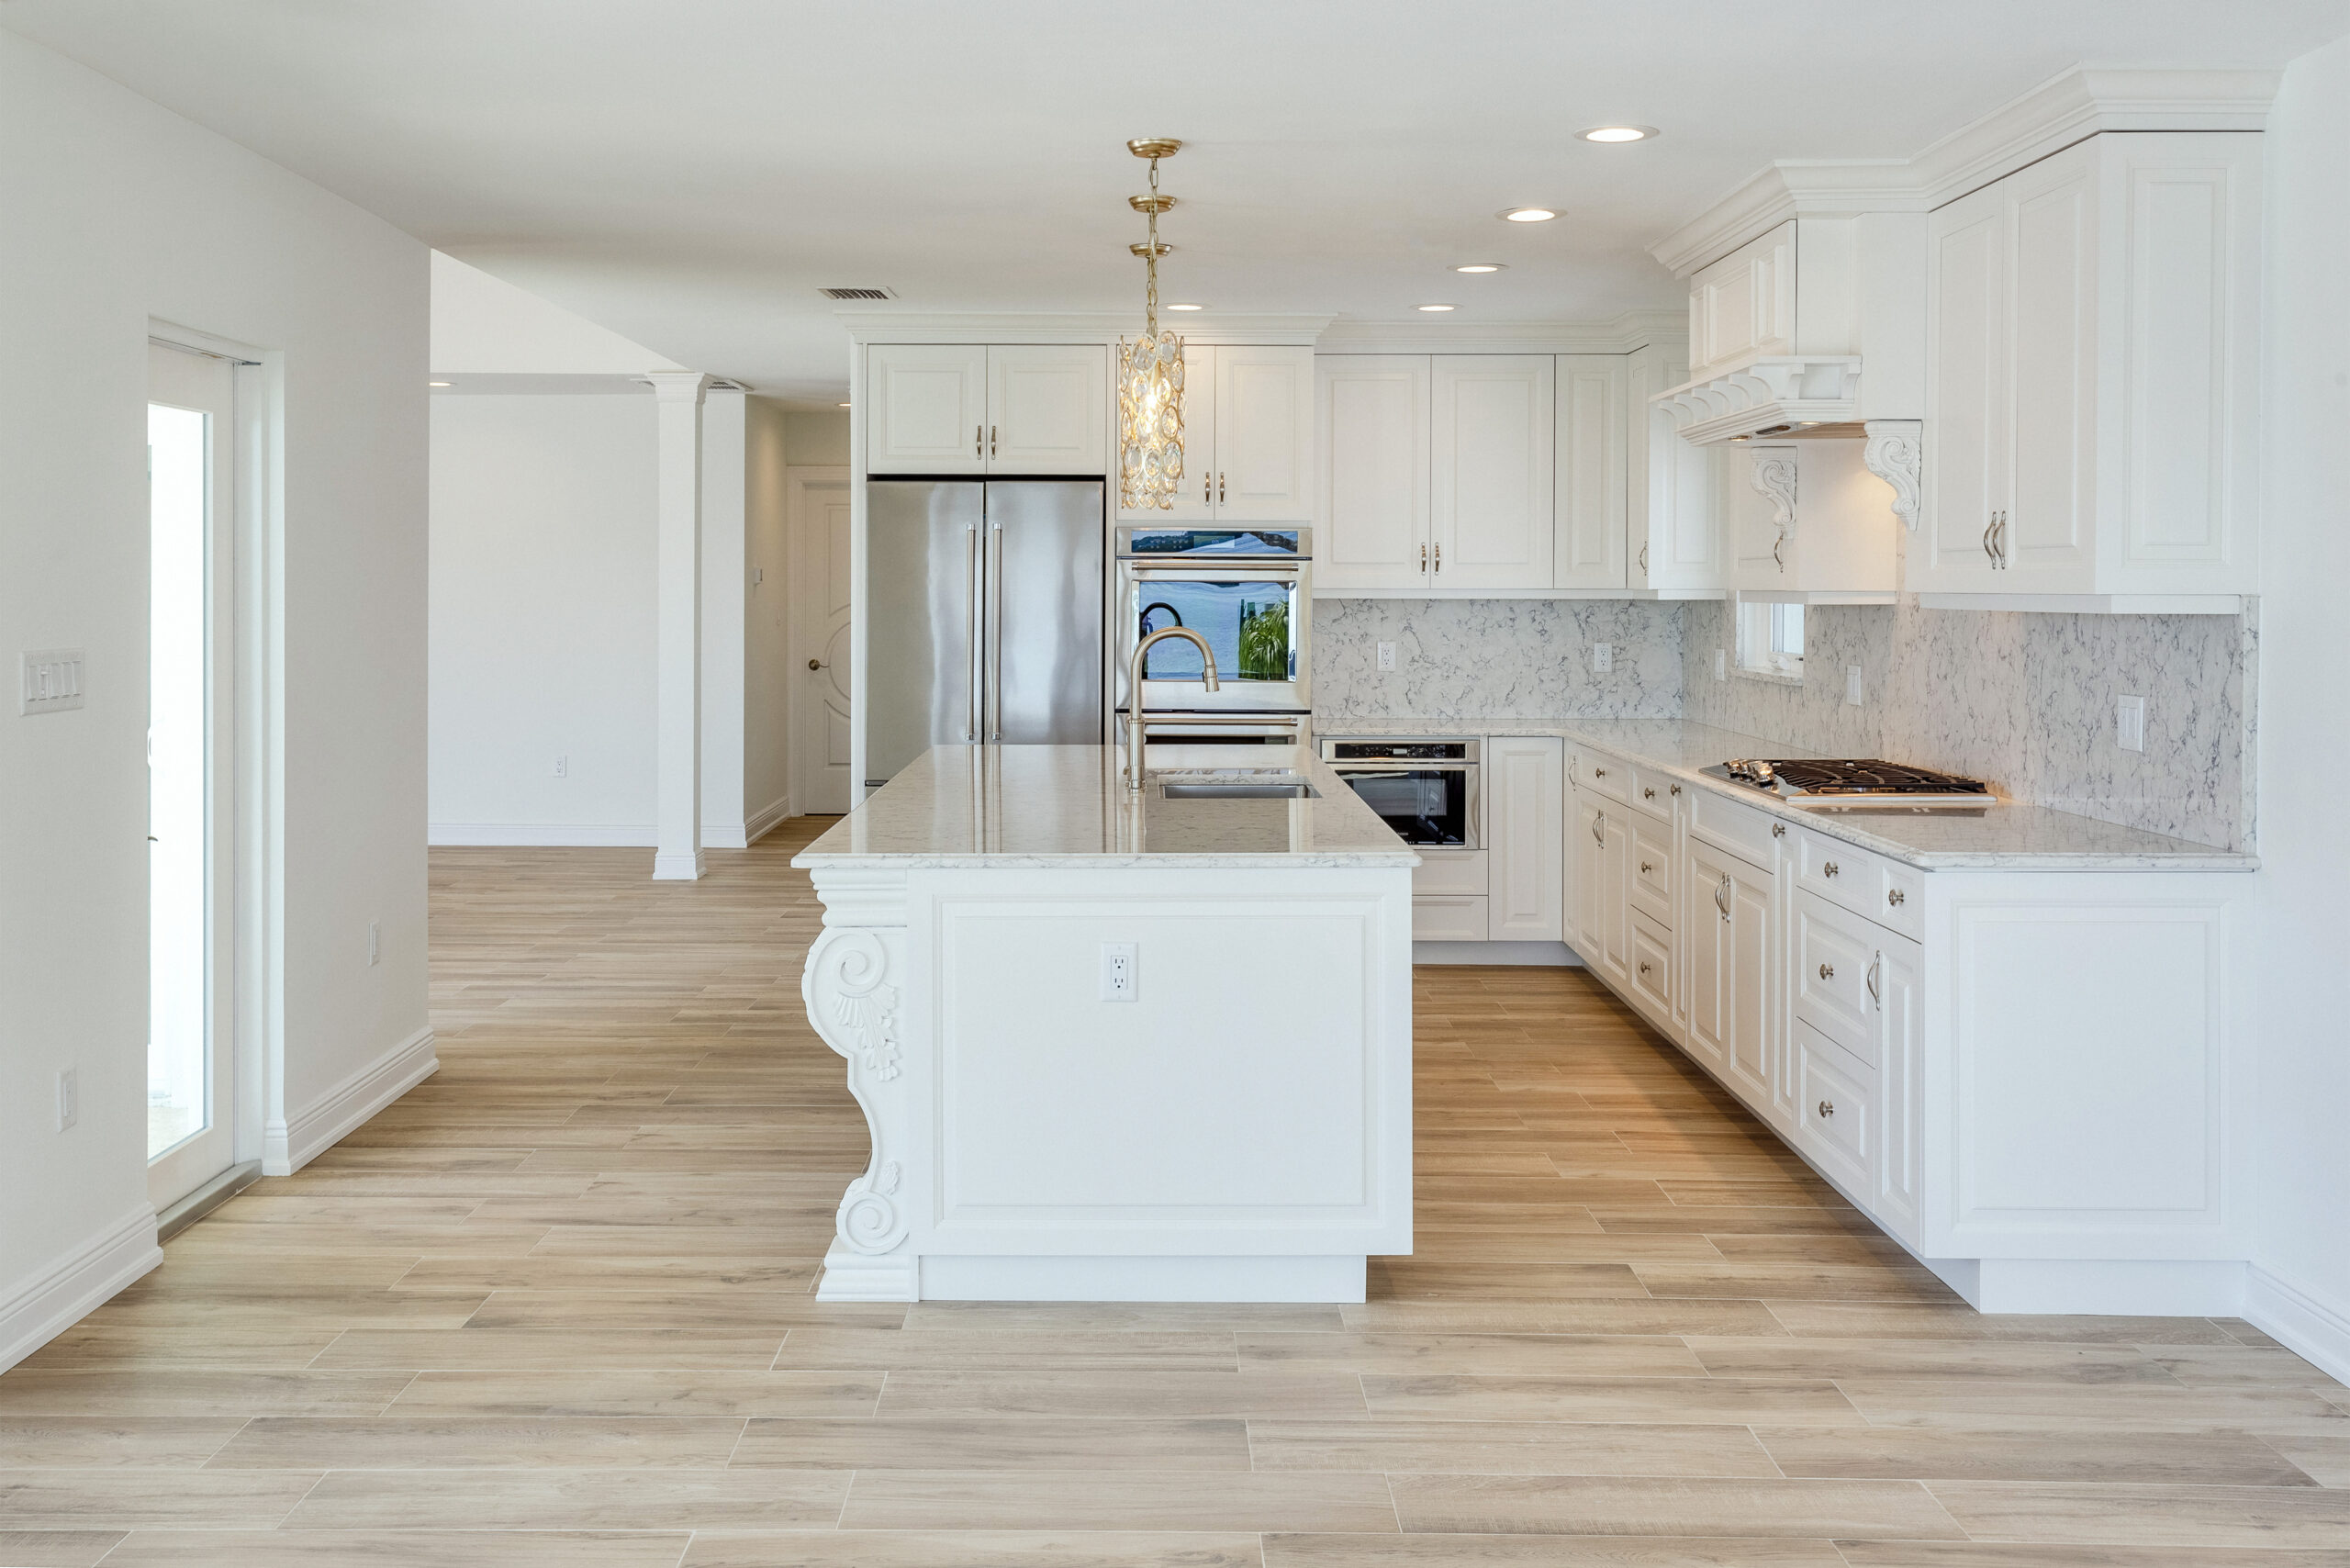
(1602, 658)
(1721, 663)
(69, 1098)
(1386, 655)
(51, 681)
(2130, 724)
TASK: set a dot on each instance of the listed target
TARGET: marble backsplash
(1496, 658)
(2023, 702)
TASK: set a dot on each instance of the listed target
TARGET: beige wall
(816, 441)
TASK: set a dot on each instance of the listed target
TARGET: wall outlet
(1721, 663)
(1118, 972)
(1386, 655)
(69, 1098)
(1602, 658)
(374, 941)
(1851, 685)
(51, 680)
(2130, 724)
(562, 768)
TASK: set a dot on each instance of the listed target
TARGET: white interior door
(820, 643)
(191, 1056)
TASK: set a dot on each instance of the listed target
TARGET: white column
(676, 813)
(724, 585)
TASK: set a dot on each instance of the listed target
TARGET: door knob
(815, 663)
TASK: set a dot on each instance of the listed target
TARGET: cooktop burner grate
(1871, 775)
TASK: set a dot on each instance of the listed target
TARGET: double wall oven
(1425, 790)
(1248, 592)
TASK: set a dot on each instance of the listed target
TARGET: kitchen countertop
(1033, 806)
(2011, 835)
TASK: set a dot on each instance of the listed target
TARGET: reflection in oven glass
(1247, 624)
(1423, 807)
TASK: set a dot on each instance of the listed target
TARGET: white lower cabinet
(1525, 780)
(2057, 1119)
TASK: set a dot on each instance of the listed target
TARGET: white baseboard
(766, 820)
(724, 835)
(543, 836)
(2318, 1333)
(2103, 1287)
(680, 867)
(1309, 1277)
(308, 1133)
(60, 1297)
(1554, 955)
(861, 1276)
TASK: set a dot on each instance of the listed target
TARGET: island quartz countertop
(1029, 806)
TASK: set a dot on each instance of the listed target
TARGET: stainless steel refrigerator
(985, 603)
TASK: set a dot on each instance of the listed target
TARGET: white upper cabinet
(1248, 437)
(1589, 454)
(1048, 408)
(2093, 378)
(969, 408)
(1490, 503)
(1372, 480)
(1669, 538)
(926, 408)
(1744, 304)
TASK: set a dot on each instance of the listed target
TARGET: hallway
(554, 1307)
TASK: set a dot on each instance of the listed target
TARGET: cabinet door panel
(1490, 507)
(1615, 905)
(1750, 1042)
(927, 408)
(1899, 1000)
(1966, 305)
(1371, 489)
(1589, 478)
(1524, 782)
(1048, 408)
(2050, 373)
(1264, 434)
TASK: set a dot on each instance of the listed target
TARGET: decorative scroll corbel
(853, 1006)
(1774, 477)
(1896, 453)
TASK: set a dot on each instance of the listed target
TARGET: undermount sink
(1280, 786)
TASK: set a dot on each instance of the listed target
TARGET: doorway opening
(191, 1054)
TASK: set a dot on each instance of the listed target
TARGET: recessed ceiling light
(1187, 307)
(436, 383)
(1528, 214)
(1478, 267)
(844, 405)
(1435, 307)
(1617, 133)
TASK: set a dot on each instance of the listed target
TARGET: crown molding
(1062, 326)
(2081, 102)
(1620, 334)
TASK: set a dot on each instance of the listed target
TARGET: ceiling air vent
(856, 293)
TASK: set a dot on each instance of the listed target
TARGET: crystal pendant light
(1150, 370)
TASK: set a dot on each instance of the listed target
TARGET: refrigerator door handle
(995, 632)
(971, 646)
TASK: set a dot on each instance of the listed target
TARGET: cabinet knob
(1646, 794)
(1599, 773)
(1827, 972)
(1644, 968)
(1646, 867)
(1676, 788)
(1829, 869)
(1827, 1109)
(1895, 896)
(1778, 830)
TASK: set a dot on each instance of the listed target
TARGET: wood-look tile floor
(553, 1308)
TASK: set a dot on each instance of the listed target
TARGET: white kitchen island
(1238, 1126)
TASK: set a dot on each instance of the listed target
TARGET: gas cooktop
(1866, 783)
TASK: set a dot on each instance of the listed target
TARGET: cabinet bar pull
(1424, 560)
(1219, 487)
(1990, 523)
(1207, 490)
(1875, 994)
(1721, 896)
(1439, 560)
(1644, 559)
(1599, 828)
(990, 440)
(978, 448)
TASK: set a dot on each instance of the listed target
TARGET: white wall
(484, 325)
(118, 212)
(542, 619)
(2301, 1285)
(768, 680)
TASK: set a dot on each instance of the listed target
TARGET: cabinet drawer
(1652, 792)
(1449, 871)
(1833, 949)
(1649, 883)
(1835, 1100)
(1886, 891)
(1652, 966)
(1602, 775)
(1735, 829)
(1448, 917)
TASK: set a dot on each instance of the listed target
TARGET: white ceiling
(689, 173)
